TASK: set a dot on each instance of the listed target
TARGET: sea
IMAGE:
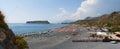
(20, 28)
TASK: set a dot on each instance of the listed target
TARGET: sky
(55, 11)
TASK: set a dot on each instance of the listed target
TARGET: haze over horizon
(55, 11)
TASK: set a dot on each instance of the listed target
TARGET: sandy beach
(61, 38)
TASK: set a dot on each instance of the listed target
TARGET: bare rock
(2, 36)
(7, 39)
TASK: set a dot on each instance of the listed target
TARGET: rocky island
(38, 22)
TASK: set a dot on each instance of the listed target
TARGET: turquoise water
(19, 28)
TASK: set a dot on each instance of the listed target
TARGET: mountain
(112, 19)
(91, 18)
(66, 21)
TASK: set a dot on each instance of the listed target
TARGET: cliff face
(7, 38)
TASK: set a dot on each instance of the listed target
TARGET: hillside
(104, 20)
(7, 37)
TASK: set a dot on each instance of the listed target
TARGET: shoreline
(22, 28)
(42, 37)
(61, 38)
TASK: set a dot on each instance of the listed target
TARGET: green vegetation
(110, 21)
(114, 29)
(109, 24)
(21, 43)
(2, 22)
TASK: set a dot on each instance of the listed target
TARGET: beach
(61, 38)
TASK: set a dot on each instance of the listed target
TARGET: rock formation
(7, 37)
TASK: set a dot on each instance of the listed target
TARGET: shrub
(115, 29)
(109, 24)
(21, 43)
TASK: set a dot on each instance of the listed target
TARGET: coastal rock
(2, 36)
(7, 38)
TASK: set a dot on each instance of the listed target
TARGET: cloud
(61, 16)
(87, 8)
(95, 8)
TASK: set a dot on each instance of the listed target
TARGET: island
(38, 22)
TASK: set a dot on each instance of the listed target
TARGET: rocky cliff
(7, 38)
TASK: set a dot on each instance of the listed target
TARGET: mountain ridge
(104, 20)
